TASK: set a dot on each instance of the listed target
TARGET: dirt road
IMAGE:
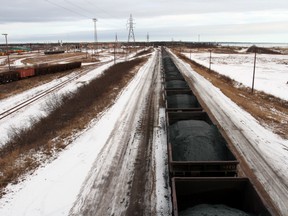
(120, 174)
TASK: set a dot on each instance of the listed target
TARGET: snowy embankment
(18, 62)
(38, 109)
(53, 188)
(22, 118)
(2, 59)
(265, 152)
(271, 74)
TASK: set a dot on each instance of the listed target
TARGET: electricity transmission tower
(95, 33)
(115, 46)
(147, 37)
(130, 25)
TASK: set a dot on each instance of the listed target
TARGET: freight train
(202, 169)
(22, 73)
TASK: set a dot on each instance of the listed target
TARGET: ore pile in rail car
(182, 101)
(194, 140)
(203, 170)
(235, 193)
(213, 210)
(195, 147)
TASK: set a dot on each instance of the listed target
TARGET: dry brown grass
(270, 111)
(73, 114)
(144, 52)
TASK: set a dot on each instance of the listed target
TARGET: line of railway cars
(26, 72)
(202, 169)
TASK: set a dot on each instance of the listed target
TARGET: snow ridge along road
(265, 152)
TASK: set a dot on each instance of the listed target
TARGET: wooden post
(254, 71)
(115, 53)
(210, 61)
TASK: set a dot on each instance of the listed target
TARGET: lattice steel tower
(130, 25)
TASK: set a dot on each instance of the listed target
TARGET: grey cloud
(114, 14)
(52, 10)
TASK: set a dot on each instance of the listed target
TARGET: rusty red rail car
(26, 72)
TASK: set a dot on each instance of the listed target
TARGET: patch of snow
(271, 74)
(22, 118)
(53, 189)
(162, 190)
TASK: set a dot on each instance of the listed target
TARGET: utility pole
(115, 44)
(210, 61)
(86, 51)
(147, 40)
(7, 50)
(130, 25)
(254, 70)
(95, 33)
(147, 37)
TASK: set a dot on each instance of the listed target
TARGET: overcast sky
(185, 20)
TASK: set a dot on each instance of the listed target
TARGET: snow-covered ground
(271, 74)
(22, 118)
(2, 59)
(53, 188)
(265, 152)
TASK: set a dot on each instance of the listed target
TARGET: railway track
(4, 114)
(183, 179)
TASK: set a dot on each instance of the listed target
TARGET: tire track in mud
(107, 189)
(142, 185)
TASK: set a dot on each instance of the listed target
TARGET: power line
(105, 12)
(68, 9)
(77, 6)
(81, 14)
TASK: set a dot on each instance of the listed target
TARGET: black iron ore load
(176, 84)
(213, 210)
(194, 140)
(182, 101)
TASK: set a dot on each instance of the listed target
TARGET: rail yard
(170, 144)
